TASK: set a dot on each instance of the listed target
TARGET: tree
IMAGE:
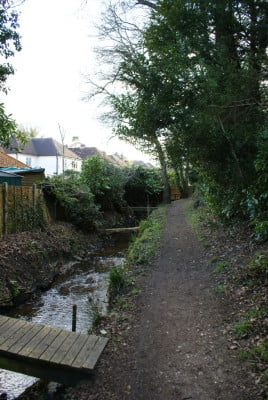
(9, 43)
(135, 114)
(9, 39)
(192, 88)
(216, 52)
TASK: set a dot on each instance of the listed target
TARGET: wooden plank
(120, 230)
(44, 344)
(34, 342)
(25, 337)
(10, 330)
(67, 350)
(94, 355)
(26, 342)
(3, 319)
(7, 325)
(57, 342)
(74, 351)
(62, 350)
(85, 351)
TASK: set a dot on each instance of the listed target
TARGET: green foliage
(195, 85)
(8, 128)
(117, 281)
(241, 329)
(22, 215)
(220, 288)
(257, 194)
(258, 352)
(221, 266)
(143, 185)
(9, 39)
(75, 200)
(14, 289)
(146, 244)
(257, 269)
(105, 181)
(95, 314)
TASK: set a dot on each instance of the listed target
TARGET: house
(87, 152)
(46, 153)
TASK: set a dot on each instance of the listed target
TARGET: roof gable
(8, 161)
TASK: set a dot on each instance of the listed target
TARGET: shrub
(143, 185)
(76, 202)
(105, 181)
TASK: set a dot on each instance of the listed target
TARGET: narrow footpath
(174, 346)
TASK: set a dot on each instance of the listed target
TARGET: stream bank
(83, 282)
(31, 261)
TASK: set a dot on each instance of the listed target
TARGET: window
(29, 161)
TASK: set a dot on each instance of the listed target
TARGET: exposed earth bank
(172, 341)
(30, 261)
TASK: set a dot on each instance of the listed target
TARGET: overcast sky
(58, 37)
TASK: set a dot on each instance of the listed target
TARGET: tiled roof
(8, 161)
(43, 147)
(86, 152)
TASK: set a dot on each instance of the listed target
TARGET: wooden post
(5, 207)
(34, 197)
(74, 318)
(15, 208)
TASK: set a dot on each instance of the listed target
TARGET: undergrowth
(241, 270)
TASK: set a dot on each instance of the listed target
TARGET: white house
(47, 153)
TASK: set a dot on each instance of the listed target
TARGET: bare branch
(147, 4)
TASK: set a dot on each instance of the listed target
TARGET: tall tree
(9, 39)
(9, 43)
(133, 88)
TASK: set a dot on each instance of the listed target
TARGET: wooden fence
(22, 208)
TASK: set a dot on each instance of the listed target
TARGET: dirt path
(174, 347)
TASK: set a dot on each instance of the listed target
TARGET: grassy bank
(142, 250)
(240, 268)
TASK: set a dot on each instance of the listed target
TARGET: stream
(85, 284)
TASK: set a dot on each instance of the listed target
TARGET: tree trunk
(163, 164)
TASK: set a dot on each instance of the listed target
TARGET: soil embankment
(30, 261)
(172, 344)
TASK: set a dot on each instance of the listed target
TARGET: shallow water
(85, 285)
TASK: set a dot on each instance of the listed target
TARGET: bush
(143, 185)
(105, 181)
(75, 201)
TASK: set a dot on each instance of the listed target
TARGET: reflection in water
(86, 285)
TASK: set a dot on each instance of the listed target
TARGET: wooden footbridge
(46, 352)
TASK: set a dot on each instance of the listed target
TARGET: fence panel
(22, 208)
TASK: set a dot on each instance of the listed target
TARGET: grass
(117, 281)
(221, 266)
(95, 314)
(242, 328)
(257, 353)
(221, 288)
(146, 244)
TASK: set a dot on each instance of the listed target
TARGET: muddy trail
(172, 346)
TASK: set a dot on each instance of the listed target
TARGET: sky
(48, 87)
